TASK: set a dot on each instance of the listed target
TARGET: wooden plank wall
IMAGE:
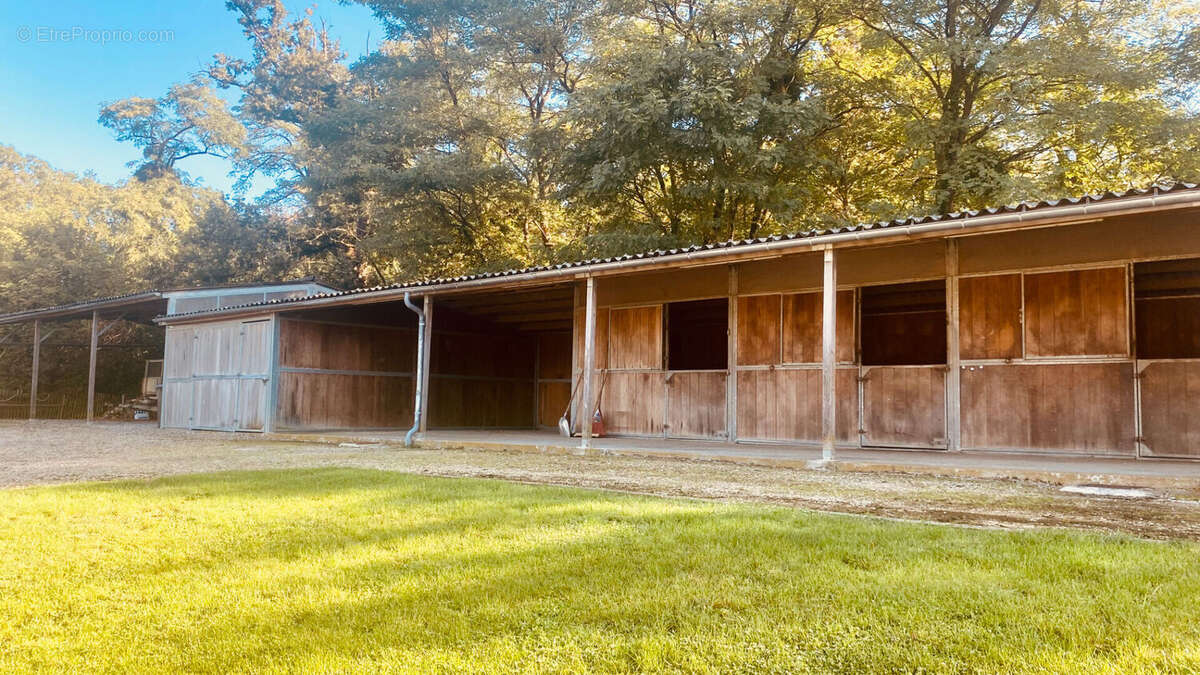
(802, 327)
(784, 404)
(554, 376)
(1048, 400)
(1170, 397)
(633, 402)
(989, 323)
(786, 328)
(214, 404)
(330, 346)
(758, 330)
(1168, 328)
(339, 401)
(482, 380)
(340, 376)
(904, 406)
(695, 404)
(1060, 407)
(635, 338)
(215, 376)
(1077, 312)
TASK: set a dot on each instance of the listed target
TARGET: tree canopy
(485, 134)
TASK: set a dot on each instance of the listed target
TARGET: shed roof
(1172, 195)
(140, 306)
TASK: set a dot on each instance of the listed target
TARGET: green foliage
(66, 238)
(340, 570)
(489, 134)
(190, 120)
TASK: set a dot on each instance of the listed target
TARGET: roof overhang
(142, 307)
(1023, 216)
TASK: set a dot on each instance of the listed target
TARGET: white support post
(731, 431)
(427, 340)
(95, 342)
(37, 354)
(829, 356)
(953, 372)
(589, 363)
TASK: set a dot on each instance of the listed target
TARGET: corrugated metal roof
(111, 301)
(129, 299)
(731, 244)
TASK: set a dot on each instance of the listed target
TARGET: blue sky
(52, 87)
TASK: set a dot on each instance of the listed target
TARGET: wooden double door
(216, 376)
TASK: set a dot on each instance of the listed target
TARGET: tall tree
(1004, 97)
(190, 120)
(705, 120)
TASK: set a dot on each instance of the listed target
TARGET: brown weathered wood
(554, 356)
(1076, 313)
(1168, 328)
(696, 405)
(1060, 407)
(552, 399)
(785, 404)
(554, 376)
(336, 401)
(990, 317)
(905, 406)
(635, 338)
(306, 344)
(1170, 396)
(802, 327)
(758, 318)
(633, 402)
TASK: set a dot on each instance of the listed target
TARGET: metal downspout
(419, 396)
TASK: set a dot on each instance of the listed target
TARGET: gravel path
(58, 452)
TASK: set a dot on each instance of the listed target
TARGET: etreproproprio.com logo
(94, 35)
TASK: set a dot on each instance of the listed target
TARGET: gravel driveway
(44, 452)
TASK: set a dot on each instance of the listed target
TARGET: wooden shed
(1060, 327)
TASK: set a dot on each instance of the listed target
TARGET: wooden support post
(731, 431)
(95, 342)
(37, 357)
(423, 422)
(953, 372)
(589, 362)
(829, 356)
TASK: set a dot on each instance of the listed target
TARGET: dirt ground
(60, 452)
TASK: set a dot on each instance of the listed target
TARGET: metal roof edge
(84, 305)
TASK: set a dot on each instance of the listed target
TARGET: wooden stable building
(1061, 327)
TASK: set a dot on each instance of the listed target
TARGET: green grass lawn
(334, 570)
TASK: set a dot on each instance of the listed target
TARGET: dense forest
(486, 134)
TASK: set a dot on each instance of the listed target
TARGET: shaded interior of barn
(497, 360)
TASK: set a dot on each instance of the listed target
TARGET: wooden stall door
(177, 378)
(1082, 408)
(253, 374)
(1170, 403)
(904, 406)
(633, 402)
(696, 404)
